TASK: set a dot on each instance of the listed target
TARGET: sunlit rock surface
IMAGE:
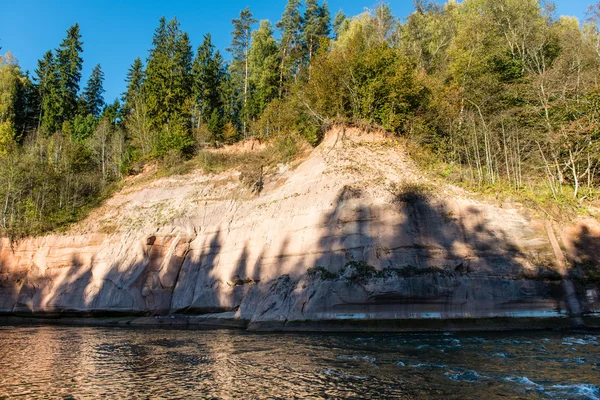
(206, 247)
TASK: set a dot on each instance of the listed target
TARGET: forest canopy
(499, 94)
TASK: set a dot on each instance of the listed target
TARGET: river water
(90, 362)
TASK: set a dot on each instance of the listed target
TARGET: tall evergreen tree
(48, 93)
(290, 26)
(316, 26)
(207, 74)
(69, 64)
(43, 77)
(168, 74)
(229, 91)
(135, 81)
(240, 45)
(93, 92)
(168, 87)
(264, 61)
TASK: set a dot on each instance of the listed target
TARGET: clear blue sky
(115, 32)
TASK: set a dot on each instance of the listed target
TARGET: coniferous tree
(45, 67)
(92, 93)
(168, 86)
(135, 81)
(207, 74)
(168, 73)
(68, 66)
(316, 26)
(48, 93)
(112, 112)
(27, 106)
(240, 45)
(340, 23)
(230, 94)
(290, 26)
(264, 61)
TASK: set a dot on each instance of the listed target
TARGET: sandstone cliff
(352, 236)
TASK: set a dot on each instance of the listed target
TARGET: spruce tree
(43, 79)
(229, 92)
(207, 73)
(69, 64)
(168, 87)
(92, 93)
(168, 74)
(47, 83)
(135, 81)
(240, 45)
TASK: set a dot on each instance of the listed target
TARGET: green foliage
(208, 72)
(174, 136)
(92, 93)
(319, 272)
(239, 68)
(360, 271)
(83, 127)
(135, 82)
(168, 79)
(68, 67)
(290, 44)
(340, 24)
(495, 95)
(7, 137)
(315, 26)
(264, 63)
(366, 79)
(48, 183)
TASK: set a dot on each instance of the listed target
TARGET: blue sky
(115, 32)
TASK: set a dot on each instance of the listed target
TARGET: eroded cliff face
(300, 254)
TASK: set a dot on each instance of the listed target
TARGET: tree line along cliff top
(498, 96)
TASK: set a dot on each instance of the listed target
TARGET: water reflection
(76, 362)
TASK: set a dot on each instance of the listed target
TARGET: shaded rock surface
(352, 233)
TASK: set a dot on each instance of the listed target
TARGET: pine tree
(264, 61)
(316, 25)
(92, 93)
(240, 45)
(68, 65)
(135, 82)
(290, 26)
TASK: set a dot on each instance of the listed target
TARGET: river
(92, 362)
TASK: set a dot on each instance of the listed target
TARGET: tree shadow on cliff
(586, 256)
(414, 232)
(62, 293)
